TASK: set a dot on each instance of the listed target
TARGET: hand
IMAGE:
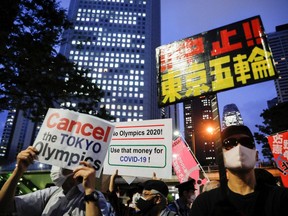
(115, 174)
(87, 173)
(155, 176)
(25, 158)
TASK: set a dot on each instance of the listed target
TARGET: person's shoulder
(205, 202)
(283, 191)
(211, 193)
(172, 206)
(168, 212)
(273, 193)
(210, 196)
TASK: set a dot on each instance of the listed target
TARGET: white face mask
(240, 158)
(135, 198)
(57, 176)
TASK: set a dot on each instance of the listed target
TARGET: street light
(176, 133)
(210, 130)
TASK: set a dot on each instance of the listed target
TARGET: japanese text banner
(217, 60)
(279, 146)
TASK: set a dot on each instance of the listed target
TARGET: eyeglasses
(232, 142)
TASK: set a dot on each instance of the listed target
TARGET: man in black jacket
(242, 195)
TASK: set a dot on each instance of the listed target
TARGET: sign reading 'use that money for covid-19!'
(140, 149)
(67, 137)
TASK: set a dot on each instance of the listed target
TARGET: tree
(33, 76)
(275, 121)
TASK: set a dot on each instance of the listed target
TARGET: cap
(235, 129)
(188, 185)
(158, 185)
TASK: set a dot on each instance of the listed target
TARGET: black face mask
(145, 205)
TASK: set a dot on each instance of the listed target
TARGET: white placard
(67, 137)
(140, 148)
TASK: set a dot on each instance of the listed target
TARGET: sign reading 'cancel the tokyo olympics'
(67, 137)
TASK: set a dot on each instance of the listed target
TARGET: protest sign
(279, 146)
(141, 148)
(67, 137)
(220, 59)
(184, 164)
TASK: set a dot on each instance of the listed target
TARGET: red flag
(184, 163)
(279, 146)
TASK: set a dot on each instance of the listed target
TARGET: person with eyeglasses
(241, 194)
(153, 201)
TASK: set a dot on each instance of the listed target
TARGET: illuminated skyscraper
(278, 42)
(231, 116)
(200, 115)
(116, 40)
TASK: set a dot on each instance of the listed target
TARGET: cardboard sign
(141, 148)
(279, 146)
(67, 137)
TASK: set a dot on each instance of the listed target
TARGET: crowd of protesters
(247, 191)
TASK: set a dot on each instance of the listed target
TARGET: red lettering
(107, 134)
(86, 129)
(49, 124)
(63, 124)
(72, 124)
(225, 35)
(98, 133)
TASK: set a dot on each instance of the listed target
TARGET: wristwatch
(94, 197)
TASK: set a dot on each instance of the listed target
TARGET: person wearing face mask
(241, 194)
(186, 191)
(153, 201)
(73, 194)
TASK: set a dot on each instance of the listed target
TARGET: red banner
(279, 146)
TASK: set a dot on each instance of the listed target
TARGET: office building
(116, 40)
(201, 123)
(278, 42)
(231, 116)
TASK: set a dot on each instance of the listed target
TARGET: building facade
(116, 41)
(201, 123)
(231, 116)
(278, 42)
